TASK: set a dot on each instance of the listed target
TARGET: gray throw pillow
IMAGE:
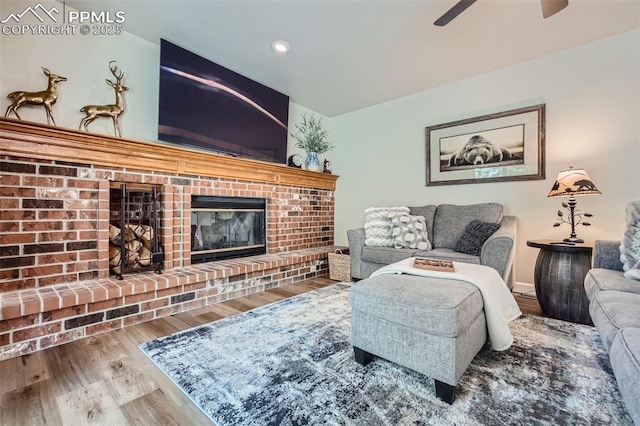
(474, 236)
(429, 214)
(410, 232)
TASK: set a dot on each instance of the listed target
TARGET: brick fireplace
(55, 281)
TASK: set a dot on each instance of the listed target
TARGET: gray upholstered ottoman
(431, 325)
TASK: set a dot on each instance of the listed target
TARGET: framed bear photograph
(499, 147)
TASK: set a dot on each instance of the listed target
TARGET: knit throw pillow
(378, 227)
(630, 246)
(410, 232)
(474, 236)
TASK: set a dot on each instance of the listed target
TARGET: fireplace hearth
(227, 227)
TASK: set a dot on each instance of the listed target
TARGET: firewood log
(144, 256)
(132, 248)
(114, 258)
(114, 255)
(147, 236)
(136, 229)
(114, 232)
(129, 235)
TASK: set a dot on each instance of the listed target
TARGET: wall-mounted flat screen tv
(205, 105)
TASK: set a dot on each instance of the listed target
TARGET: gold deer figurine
(46, 97)
(114, 111)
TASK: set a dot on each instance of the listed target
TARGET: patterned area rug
(291, 363)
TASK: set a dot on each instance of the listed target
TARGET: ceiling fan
(549, 8)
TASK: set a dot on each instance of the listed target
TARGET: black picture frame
(499, 147)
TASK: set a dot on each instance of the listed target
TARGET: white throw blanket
(500, 307)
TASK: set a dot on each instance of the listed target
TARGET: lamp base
(574, 240)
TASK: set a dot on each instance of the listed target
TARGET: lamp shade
(573, 182)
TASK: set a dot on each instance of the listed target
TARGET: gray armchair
(445, 225)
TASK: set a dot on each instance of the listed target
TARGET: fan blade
(456, 10)
(551, 7)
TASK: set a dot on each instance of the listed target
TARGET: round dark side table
(559, 279)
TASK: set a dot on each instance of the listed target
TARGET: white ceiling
(348, 55)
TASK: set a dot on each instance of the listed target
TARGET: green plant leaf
(311, 136)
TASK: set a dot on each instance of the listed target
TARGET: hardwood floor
(107, 380)
(529, 305)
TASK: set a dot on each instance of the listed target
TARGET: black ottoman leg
(362, 357)
(445, 392)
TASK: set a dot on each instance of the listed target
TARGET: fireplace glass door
(227, 227)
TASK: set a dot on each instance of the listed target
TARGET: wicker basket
(340, 265)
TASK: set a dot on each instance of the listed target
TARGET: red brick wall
(54, 218)
(48, 224)
(54, 274)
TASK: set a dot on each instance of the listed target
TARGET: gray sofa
(615, 310)
(445, 225)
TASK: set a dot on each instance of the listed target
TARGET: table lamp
(571, 183)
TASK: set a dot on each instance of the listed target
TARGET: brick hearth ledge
(35, 319)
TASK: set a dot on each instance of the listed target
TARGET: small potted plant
(313, 139)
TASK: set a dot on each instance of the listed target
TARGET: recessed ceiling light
(281, 46)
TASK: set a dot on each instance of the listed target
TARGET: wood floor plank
(297, 289)
(159, 327)
(34, 404)
(102, 352)
(155, 408)
(107, 379)
(208, 317)
(281, 293)
(244, 304)
(188, 321)
(90, 404)
(264, 298)
(178, 399)
(147, 331)
(129, 385)
(192, 317)
(125, 379)
(72, 366)
(224, 310)
(19, 372)
(180, 323)
(529, 306)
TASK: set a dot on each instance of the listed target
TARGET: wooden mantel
(35, 140)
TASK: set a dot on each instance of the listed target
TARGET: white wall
(592, 97)
(84, 61)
